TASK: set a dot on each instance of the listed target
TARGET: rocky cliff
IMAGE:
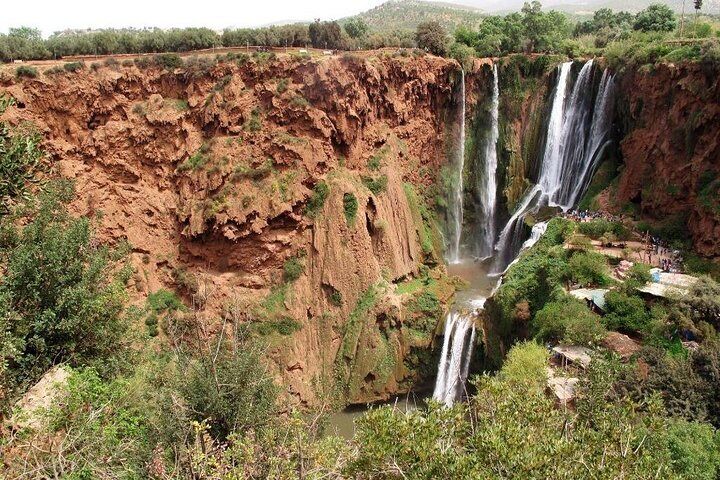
(670, 121)
(285, 192)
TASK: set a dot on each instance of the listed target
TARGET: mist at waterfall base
(578, 131)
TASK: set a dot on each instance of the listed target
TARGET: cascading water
(488, 182)
(456, 210)
(455, 357)
(577, 133)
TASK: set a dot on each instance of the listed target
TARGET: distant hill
(407, 14)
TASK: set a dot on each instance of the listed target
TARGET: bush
(61, 298)
(73, 66)
(254, 123)
(282, 85)
(570, 321)
(626, 313)
(230, 391)
(20, 162)
(657, 17)
(293, 268)
(194, 162)
(26, 71)
(588, 269)
(317, 200)
(169, 61)
(336, 298)
(164, 301)
(376, 185)
(350, 207)
(526, 364)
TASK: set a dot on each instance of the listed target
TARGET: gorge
(366, 172)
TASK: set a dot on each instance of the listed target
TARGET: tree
(431, 36)
(543, 31)
(655, 18)
(325, 34)
(570, 321)
(698, 6)
(356, 28)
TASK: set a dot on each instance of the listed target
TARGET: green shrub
(526, 364)
(293, 268)
(282, 85)
(26, 71)
(242, 171)
(254, 123)
(229, 390)
(570, 321)
(164, 301)
(168, 61)
(694, 449)
(350, 207)
(195, 162)
(20, 162)
(317, 200)
(299, 101)
(61, 298)
(73, 66)
(424, 311)
(588, 269)
(625, 312)
(336, 298)
(376, 185)
(639, 274)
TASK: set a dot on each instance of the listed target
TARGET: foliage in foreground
(511, 429)
(61, 295)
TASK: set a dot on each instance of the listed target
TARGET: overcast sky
(53, 15)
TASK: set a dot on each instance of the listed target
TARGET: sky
(53, 15)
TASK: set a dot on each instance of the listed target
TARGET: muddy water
(480, 284)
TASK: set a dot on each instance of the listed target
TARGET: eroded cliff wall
(670, 119)
(221, 174)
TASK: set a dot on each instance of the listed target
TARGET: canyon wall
(285, 192)
(669, 119)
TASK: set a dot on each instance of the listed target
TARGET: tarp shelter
(668, 284)
(574, 354)
(594, 297)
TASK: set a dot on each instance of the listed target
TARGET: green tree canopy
(432, 37)
(658, 17)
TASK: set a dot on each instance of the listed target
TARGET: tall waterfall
(455, 358)
(456, 208)
(577, 134)
(488, 181)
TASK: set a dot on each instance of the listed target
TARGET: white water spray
(457, 349)
(457, 207)
(573, 147)
(488, 181)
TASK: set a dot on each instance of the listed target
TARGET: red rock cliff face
(672, 148)
(208, 173)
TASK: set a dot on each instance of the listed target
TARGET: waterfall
(457, 349)
(599, 136)
(577, 133)
(457, 194)
(552, 158)
(488, 181)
